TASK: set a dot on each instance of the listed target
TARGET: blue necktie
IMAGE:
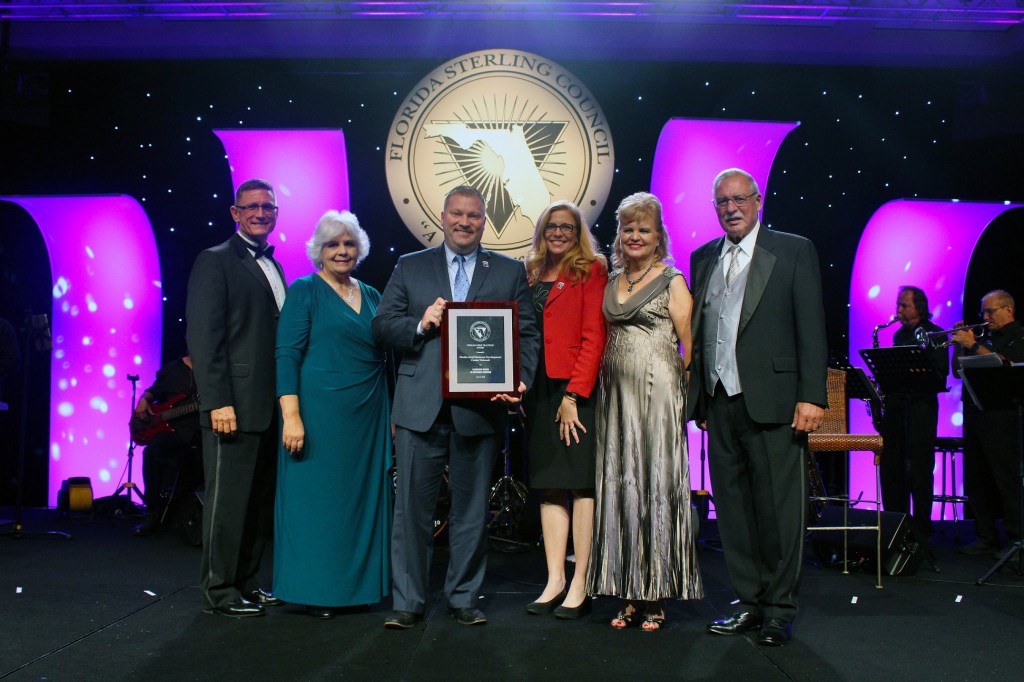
(461, 280)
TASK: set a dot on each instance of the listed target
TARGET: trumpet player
(910, 422)
(990, 468)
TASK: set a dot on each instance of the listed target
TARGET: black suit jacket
(418, 280)
(781, 347)
(232, 324)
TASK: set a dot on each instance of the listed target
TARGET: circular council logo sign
(518, 127)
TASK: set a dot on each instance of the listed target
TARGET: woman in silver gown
(643, 549)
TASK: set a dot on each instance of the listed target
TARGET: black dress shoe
(775, 632)
(573, 612)
(324, 612)
(736, 624)
(261, 596)
(401, 620)
(542, 608)
(242, 608)
(467, 616)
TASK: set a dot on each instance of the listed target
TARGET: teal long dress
(332, 522)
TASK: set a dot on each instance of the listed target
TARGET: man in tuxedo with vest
(757, 383)
(430, 431)
(235, 294)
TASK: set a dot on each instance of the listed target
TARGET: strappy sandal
(652, 622)
(623, 620)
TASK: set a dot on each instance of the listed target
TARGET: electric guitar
(164, 412)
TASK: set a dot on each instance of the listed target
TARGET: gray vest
(721, 315)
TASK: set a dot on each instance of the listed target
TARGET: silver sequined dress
(643, 548)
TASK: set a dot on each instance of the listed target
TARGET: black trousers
(908, 462)
(238, 512)
(169, 455)
(990, 473)
(759, 476)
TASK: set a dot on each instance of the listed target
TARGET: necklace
(632, 282)
(337, 288)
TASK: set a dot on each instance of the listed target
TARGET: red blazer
(574, 330)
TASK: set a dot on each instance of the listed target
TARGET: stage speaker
(902, 554)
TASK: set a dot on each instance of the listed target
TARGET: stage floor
(109, 606)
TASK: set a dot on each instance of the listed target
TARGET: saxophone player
(910, 422)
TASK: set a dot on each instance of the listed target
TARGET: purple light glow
(107, 323)
(927, 244)
(309, 172)
(690, 153)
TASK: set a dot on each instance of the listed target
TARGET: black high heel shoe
(543, 608)
(573, 612)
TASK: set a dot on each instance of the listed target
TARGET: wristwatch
(975, 347)
(572, 396)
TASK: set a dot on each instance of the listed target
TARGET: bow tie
(267, 251)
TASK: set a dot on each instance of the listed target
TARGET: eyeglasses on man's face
(564, 228)
(740, 201)
(990, 311)
(253, 208)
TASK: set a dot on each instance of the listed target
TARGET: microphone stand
(508, 496)
(129, 487)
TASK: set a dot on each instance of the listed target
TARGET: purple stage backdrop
(106, 325)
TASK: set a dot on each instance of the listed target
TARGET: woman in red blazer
(567, 275)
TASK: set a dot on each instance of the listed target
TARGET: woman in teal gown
(332, 523)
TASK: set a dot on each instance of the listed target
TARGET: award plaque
(480, 349)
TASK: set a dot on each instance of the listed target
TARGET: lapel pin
(486, 264)
(561, 284)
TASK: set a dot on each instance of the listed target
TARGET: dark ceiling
(916, 33)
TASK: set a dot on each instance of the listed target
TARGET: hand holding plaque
(480, 350)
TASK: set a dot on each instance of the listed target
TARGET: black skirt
(553, 464)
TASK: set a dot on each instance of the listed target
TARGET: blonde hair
(632, 208)
(576, 265)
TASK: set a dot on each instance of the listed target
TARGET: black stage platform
(109, 606)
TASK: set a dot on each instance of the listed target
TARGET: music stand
(904, 371)
(1002, 388)
(901, 370)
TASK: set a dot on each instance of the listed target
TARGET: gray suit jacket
(418, 280)
(781, 347)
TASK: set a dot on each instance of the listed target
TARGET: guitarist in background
(167, 422)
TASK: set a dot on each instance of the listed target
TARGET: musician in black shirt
(167, 422)
(990, 437)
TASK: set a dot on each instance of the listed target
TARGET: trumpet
(927, 339)
(874, 334)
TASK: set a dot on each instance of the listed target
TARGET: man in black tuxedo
(430, 431)
(235, 294)
(757, 383)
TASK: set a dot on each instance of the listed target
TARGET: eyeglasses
(252, 208)
(990, 311)
(739, 201)
(564, 228)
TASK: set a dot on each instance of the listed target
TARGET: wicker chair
(834, 436)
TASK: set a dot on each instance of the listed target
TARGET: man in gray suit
(758, 385)
(429, 431)
(235, 294)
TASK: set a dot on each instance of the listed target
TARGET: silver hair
(728, 173)
(331, 225)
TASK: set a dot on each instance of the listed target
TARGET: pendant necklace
(633, 283)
